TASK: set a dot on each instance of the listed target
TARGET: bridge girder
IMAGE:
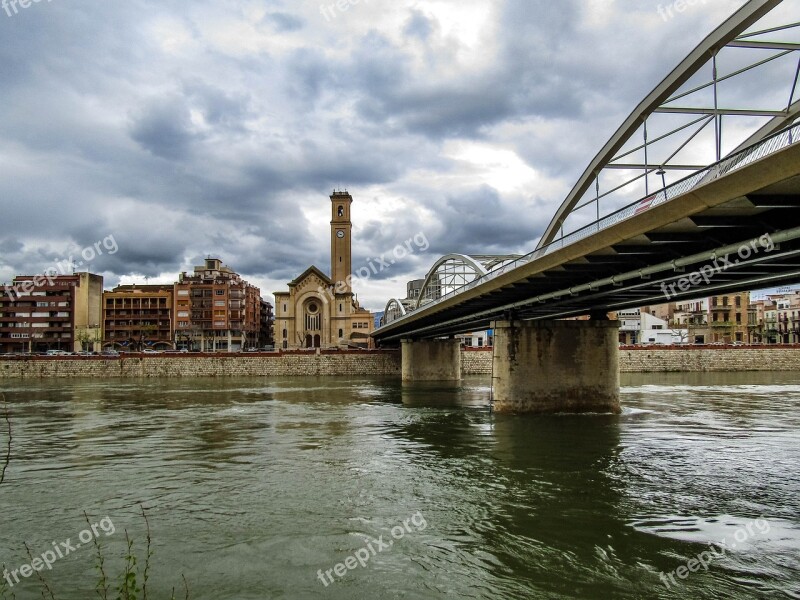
(612, 177)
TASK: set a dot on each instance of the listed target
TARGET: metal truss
(739, 86)
(448, 273)
(394, 310)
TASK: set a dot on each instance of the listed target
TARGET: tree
(88, 338)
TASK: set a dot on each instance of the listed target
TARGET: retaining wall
(380, 362)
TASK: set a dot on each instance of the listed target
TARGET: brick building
(62, 312)
(136, 317)
(216, 310)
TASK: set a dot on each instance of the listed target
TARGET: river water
(255, 488)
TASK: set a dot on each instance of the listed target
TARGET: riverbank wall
(475, 361)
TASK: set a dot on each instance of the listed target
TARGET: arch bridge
(696, 194)
(449, 273)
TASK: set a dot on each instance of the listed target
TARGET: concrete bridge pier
(556, 366)
(431, 360)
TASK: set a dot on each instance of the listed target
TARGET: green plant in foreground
(129, 584)
(128, 587)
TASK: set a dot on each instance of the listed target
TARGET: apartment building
(728, 318)
(216, 310)
(693, 316)
(136, 317)
(776, 319)
(266, 333)
(62, 312)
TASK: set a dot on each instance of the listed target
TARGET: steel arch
(394, 310)
(455, 274)
(731, 34)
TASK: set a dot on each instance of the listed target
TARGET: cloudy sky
(187, 129)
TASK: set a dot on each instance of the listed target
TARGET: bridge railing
(757, 151)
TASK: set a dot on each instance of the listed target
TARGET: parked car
(109, 353)
(57, 353)
(150, 351)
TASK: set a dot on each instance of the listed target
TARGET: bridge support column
(431, 360)
(556, 366)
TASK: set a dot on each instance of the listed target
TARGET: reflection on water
(254, 485)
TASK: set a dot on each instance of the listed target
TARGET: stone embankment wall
(284, 364)
(709, 358)
(667, 359)
(476, 361)
(380, 362)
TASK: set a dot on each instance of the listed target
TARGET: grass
(126, 586)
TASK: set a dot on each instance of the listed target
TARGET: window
(219, 292)
(340, 212)
(183, 292)
(183, 313)
(340, 307)
(219, 302)
(738, 301)
(285, 334)
(284, 308)
(341, 333)
(724, 301)
(738, 317)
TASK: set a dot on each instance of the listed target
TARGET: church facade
(321, 311)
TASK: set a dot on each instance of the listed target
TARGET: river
(365, 488)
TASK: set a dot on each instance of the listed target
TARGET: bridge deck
(643, 259)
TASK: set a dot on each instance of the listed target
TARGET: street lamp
(662, 172)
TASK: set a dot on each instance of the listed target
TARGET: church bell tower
(341, 229)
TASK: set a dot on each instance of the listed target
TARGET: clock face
(340, 234)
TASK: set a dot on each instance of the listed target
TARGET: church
(321, 311)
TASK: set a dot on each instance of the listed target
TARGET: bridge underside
(737, 233)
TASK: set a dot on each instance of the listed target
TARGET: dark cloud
(185, 130)
(285, 22)
(163, 127)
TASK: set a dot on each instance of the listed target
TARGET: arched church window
(341, 211)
